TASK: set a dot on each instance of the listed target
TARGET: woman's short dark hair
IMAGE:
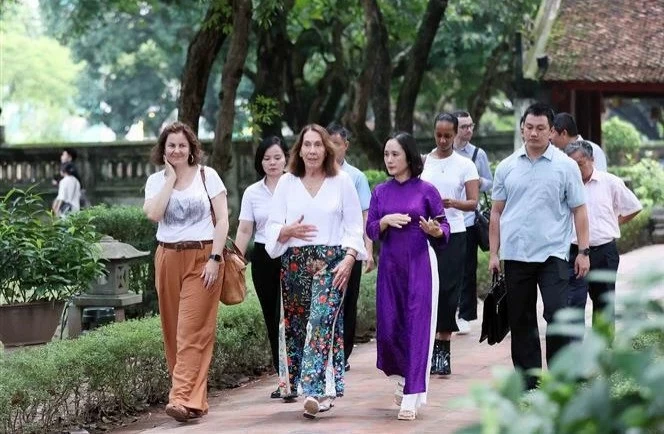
(409, 146)
(195, 148)
(266, 144)
(68, 168)
(296, 163)
(447, 117)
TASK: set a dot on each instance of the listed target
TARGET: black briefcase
(495, 323)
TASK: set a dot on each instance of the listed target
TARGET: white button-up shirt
(607, 199)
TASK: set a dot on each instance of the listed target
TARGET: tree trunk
(380, 98)
(479, 100)
(273, 51)
(231, 75)
(373, 21)
(417, 63)
(201, 54)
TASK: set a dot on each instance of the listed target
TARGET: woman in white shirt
(316, 226)
(270, 162)
(456, 179)
(69, 192)
(188, 259)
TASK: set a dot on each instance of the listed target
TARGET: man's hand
(494, 263)
(581, 265)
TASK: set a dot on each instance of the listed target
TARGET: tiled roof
(607, 41)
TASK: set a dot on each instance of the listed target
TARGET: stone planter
(29, 323)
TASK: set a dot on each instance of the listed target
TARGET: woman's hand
(210, 273)
(449, 203)
(169, 170)
(299, 230)
(342, 272)
(395, 220)
(431, 227)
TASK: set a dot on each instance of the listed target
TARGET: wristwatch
(585, 252)
(216, 258)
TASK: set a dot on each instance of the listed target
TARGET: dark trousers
(604, 257)
(468, 296)
(265, 273)
(450, 273)
(522, 279)
(350, 308)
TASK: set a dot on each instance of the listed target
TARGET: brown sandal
(178, 412)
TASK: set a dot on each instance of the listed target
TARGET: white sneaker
(464, 326)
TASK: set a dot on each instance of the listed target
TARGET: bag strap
(214, 219)
(474, 157)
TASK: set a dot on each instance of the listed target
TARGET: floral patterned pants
(311, 353)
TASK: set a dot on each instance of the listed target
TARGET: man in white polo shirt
(565, 132)
(610, 203)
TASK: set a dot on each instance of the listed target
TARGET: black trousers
(603, 257)
(522, 279)
(468, 296)
(450, 273)
(265, 273)
(350, 308)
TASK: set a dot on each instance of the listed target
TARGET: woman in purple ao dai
(406, 214)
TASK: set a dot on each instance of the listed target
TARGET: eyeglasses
(467, 127)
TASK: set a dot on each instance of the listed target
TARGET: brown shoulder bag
(233, 285)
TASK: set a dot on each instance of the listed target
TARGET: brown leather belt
(185, 245)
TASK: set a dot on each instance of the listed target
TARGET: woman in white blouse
(187, 263)
(456, 179)
(316, 226)
(270, 162)
(69, 192)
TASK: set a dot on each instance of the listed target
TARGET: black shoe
(347, 368)
(436, 359)
(445, 364)
(276, 394)
(290, 398)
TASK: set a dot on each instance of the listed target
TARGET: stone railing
(113, 173)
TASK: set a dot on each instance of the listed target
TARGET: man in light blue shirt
(340, 138)
(537, 191)
(468, 294)
(565, 132)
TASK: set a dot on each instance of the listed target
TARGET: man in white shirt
(463, 147)
(610, 203)
(565, 132)
(340, 137)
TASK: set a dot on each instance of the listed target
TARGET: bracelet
(352, 256)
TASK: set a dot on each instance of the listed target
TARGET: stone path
(367, 406)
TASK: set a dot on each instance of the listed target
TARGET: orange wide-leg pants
(188, 313)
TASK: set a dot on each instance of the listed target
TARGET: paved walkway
(367, 406)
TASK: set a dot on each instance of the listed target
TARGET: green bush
(603, 383)
(635, 233)
(116, 369)
(130, 225)
(43, 257)
(645, 178)
(375, 177)
(621, 140)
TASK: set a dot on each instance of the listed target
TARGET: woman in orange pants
(188, 263)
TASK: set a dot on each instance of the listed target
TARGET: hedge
(117, 369)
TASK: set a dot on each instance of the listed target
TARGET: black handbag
(495, 322)
(482, 229)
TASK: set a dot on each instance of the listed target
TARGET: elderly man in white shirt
(610, 203)
(565, 132)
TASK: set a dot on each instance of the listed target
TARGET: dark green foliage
(118, 369)
(645, 179)
(603, 383)
(130, 225)
(43, 257)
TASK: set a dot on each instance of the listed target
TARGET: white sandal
(398, 394)
(407, 415)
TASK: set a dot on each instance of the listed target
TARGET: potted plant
(44, 260)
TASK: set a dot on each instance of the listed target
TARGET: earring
(191, 158)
